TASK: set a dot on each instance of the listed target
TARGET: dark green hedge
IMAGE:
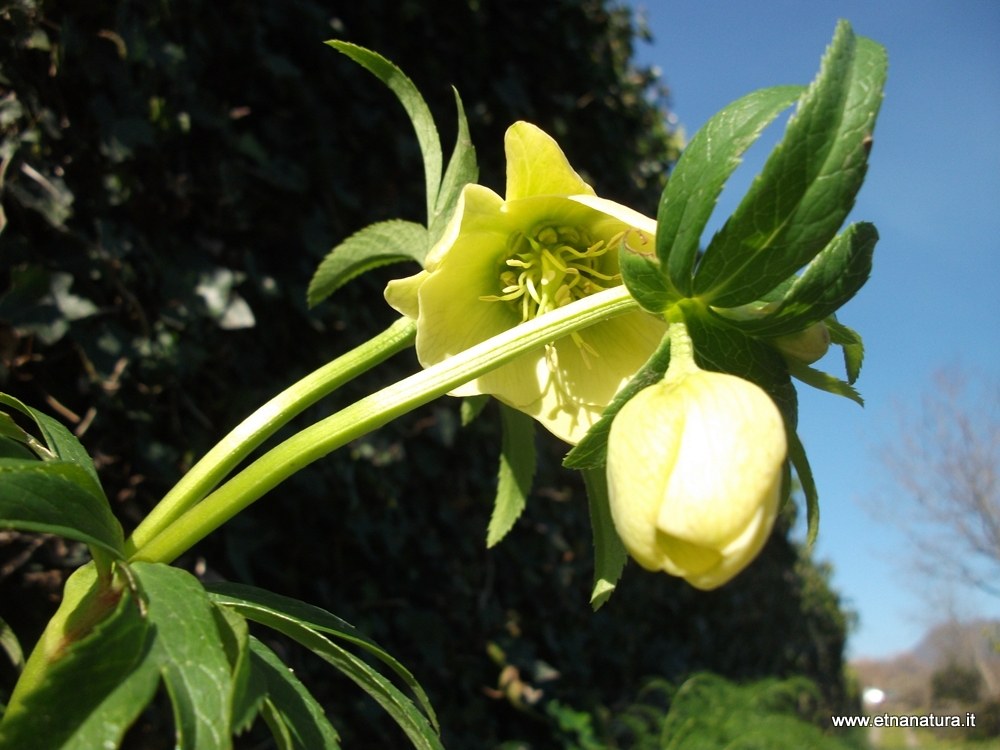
(156, 148)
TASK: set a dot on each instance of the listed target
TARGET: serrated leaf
(471, 407)
(645, 281)
(462, 169)
(592, 451)
(854, 348)
(724, 349)
(265, 607)
(808, 185)
(824, 381)
(57, 707)
(247, 693)
(797, 455)
(416, 108)
(403, 711)
(303, 724)
(189, 651)
(11, 646)
(376, 245)
(517, 469)
(47, 497)
(609, 552)
(696, 181)
(61, 443)
(830, 280)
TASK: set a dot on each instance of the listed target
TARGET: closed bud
(806, 346)
(694, 475)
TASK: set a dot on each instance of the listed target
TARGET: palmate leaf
(696, 181)
(609, 552)
(824, 382)
(462, 169)
(797, 455)
(416, 108)
(831, 279)
(375, 245)
(808, 185)
(50, 497)
(268, 608)
(59, 706)
(296, 720)
(517, 469)
(645, 281)
(850, 341)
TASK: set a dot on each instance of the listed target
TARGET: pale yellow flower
(694, 475)
(503, 261)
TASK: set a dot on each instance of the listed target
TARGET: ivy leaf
(416, 108)
(188, 649)
(824, 382)
(609, 552)
(696, 181)
(267, 608)
(592, 451)
(517, 469)
(462, 169)
(854, 348)
(84, 674)
(808, 185)
(376, 245)
(297, 721)
(49, 497)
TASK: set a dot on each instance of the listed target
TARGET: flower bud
(806, 346)
(694, 475)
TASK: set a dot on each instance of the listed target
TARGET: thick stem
(374, 411)
(255, 429)
(681, 347)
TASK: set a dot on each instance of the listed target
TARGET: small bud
(694, 475)
(806, 346)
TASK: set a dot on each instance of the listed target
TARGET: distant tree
(945, 464)
(956, 683)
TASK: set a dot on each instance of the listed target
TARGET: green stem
(255, 429)
(681, 347)
(374, 411)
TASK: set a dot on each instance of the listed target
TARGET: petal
(537, 166)
(401, 294)
(476, 206)
(622, 213)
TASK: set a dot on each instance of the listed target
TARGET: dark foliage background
(173, 170)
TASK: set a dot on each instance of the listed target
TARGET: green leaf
(376, 245)
(303, 724)
(696, 181)
(189, 651)
(276, 723)
(808, 185)
(645, 281)
(11, 646)
(609, 552)
(47, 497)
(471, 407)
(854, 348)
(62, 443)
(387, 695)
(14, 449)
(723, 349)
(592, 451)
(416, 108)
(462, 169)
(79, 679)
(824, 382)
(517, 469)
(247, 693)
(797, 454)
(833, 278)
(266, 607)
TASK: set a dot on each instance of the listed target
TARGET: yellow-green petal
(537, 166)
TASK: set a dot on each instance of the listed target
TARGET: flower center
(551, 267)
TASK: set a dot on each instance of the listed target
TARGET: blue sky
(933, 191)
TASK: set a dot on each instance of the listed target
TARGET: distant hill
(906, 678)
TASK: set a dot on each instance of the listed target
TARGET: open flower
(503, 261)
(694, 475)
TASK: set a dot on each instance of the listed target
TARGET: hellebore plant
(668, 365)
